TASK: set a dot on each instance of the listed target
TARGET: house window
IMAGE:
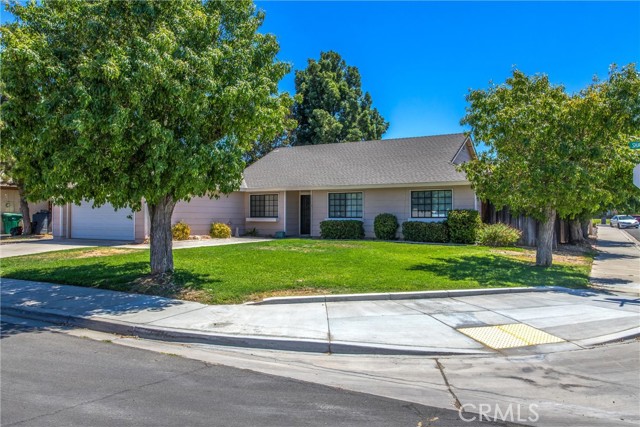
(430, 204)
(345, 205)
(264, 206)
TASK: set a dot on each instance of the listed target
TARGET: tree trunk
(544, 250)
(24, 210)
(585, 223)
(161, 239)
(575, 231)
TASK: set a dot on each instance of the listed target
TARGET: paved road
(634, 232)
(592, 387)
(52, 379)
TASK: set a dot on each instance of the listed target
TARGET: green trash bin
(10, 220)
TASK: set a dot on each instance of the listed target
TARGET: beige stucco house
(293, 189)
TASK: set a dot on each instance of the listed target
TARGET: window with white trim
(345, 205)
(431, 204)
(263, 205)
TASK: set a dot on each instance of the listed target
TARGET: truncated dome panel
(509, 336)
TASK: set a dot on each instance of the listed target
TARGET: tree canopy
(550, 152)
(333, 107)
(152, 100)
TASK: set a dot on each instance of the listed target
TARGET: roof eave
(359, 186)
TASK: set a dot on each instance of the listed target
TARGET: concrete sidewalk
(512, 322)
(186, 244)
(617, 265)
(578, 319)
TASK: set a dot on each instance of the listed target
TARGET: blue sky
(419, 59)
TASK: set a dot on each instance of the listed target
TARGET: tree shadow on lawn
(496, 271)
(130, 277)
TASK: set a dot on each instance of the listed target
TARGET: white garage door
(103, 223)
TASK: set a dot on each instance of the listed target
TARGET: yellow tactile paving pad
(509, 336)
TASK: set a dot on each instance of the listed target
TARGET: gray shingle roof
(368, 163)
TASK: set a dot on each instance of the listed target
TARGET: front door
(305, 214)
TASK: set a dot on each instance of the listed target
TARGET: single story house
(294, 189)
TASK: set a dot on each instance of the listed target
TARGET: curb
(410, 295)
(11, 242)
(245, 341)
(627, 334)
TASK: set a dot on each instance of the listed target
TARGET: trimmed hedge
(347, 229)
(385, 226)
(464, 225)
(434, 232)
(498, 235)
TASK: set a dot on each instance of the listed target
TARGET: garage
(103, 223)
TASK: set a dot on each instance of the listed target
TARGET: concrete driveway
(37, 247)
(41, 246)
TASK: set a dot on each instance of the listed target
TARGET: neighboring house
(11, 200)
(293, 189)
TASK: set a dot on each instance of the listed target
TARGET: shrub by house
(385, 226)
(181, 231)
(342, 229)
(463, 225)
(220, 231)
(498, 234)
(432, 232)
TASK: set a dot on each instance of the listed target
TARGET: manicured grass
(237, 273)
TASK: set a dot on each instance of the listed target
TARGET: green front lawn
(237, 273)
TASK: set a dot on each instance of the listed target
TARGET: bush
(434, 232)
(385, 226)
(181, 231)
(220, 231)
(347, 229)
(498, 235)
(464, 225)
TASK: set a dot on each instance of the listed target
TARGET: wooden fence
(527, 225)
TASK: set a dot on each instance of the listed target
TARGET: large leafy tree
(333, 107)
(262, 147)
(604, 117)
(19, 137)
(154, 100)
(551, 153)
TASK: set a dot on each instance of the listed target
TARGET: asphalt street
(634, 232)
(53, 379)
